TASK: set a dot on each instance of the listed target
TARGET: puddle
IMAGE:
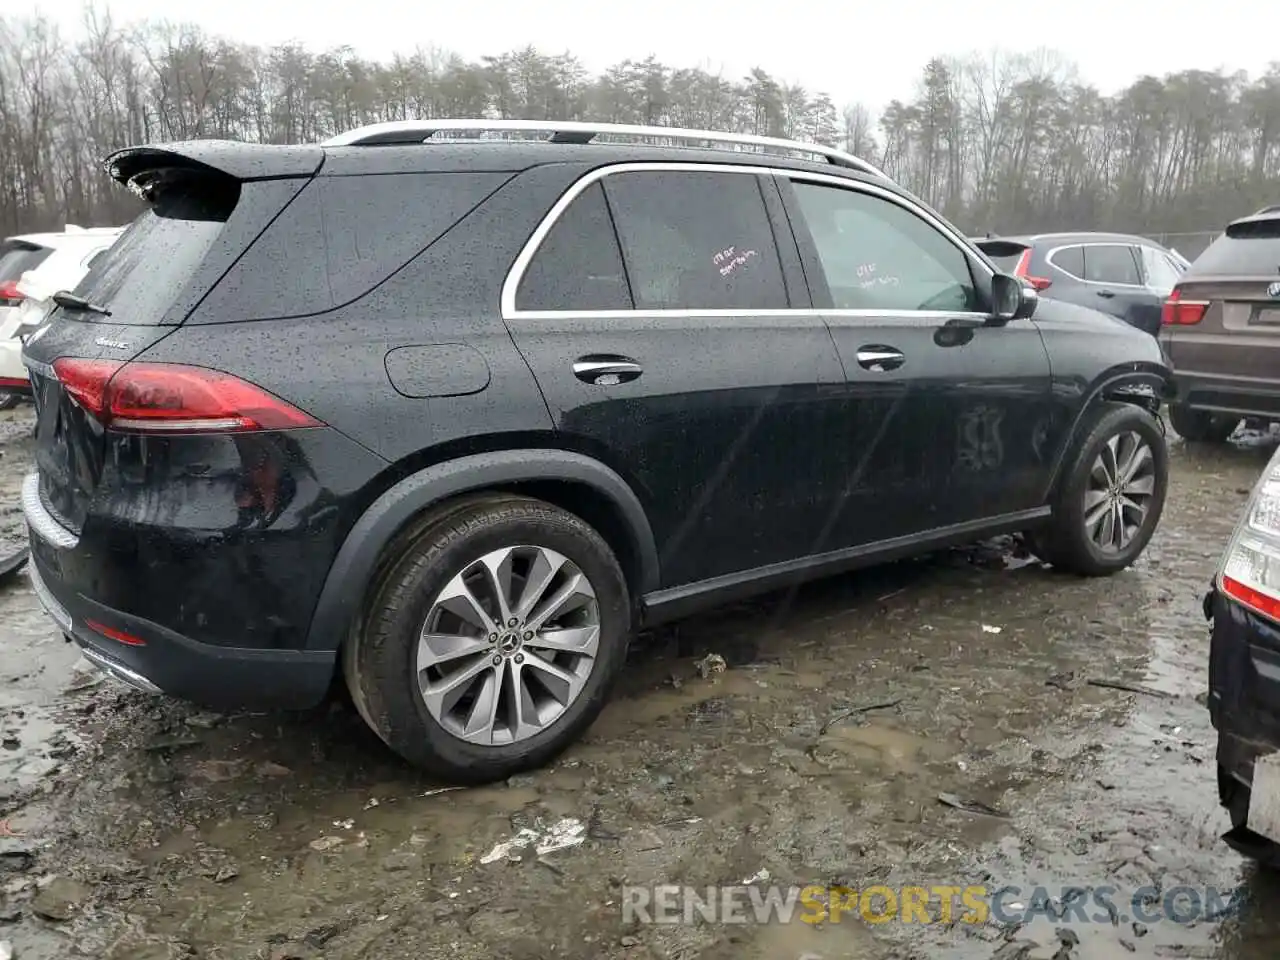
(258, 831)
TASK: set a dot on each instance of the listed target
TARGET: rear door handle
(880, 358)
(1107, 294)
(606, 371)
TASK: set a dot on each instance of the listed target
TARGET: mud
(151, 830)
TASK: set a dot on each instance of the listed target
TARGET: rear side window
(340, 238)
(1248, 249)
(1069, 260)
(17, 257)
(1111, 263)
(578, 266)
(696, 241)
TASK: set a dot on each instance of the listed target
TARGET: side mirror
(1011, 299)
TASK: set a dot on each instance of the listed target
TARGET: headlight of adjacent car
(1250, 569)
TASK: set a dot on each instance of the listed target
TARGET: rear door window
(1111, 263)
(696, 241)
(578, 266)
(878, 255)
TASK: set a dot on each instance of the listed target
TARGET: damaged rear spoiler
(231, 158)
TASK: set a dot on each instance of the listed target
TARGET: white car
(33, 267)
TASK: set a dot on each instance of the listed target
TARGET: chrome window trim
(531, 246)
(1048, 257)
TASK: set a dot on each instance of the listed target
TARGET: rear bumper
(155, 659)
(13, 375)
(1247, 398)
(1244, 686)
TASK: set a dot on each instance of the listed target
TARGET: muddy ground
(148, 829)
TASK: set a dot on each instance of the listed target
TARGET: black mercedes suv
(449, 418)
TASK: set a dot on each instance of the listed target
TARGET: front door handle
(606, 371)
(880, 358)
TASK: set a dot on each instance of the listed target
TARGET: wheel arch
(1143, 384)
(569, 480)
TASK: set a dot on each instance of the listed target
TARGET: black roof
(251, 161)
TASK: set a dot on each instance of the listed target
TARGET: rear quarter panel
(437, 312)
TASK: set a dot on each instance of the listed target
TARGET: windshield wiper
(65, 298)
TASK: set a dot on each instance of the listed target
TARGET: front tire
(493, 640)
(1201, 426)
(9, 400)
(1111, 496)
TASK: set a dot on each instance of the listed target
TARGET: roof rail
(573, 131)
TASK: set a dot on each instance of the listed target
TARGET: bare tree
(998, 141)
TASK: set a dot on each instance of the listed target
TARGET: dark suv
(450, 419)
(1125, 276)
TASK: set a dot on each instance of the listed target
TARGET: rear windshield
(1249, 248)
(1006, 264)
(1005, 254)
(141, 275)
(17, 257)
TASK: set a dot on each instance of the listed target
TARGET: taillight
(147, 397)
(1182, 313)
(1039, 283)
(9, 295)
(1250, 570)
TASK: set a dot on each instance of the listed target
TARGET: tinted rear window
(1251, 248)
(1006, 263)
(17, 258)
(141, 275)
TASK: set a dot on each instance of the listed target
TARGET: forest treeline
(998, 141)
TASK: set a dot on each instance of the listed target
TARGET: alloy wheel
(1121, 487)
(508, 645)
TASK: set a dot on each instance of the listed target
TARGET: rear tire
(1201, 426)
(9, 400)
(1111, 496)
(497, 699)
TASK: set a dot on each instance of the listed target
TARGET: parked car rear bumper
(13, 375)
(157, 660)
(1247, 397)
(1244, 686)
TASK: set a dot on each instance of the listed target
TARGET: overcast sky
(871, 51)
